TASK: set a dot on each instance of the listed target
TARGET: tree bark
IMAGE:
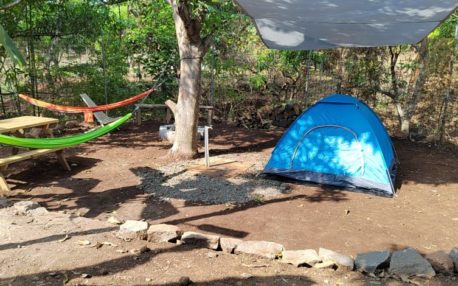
(404, 121)
(186, 110)
(192, 48)
(418, 80)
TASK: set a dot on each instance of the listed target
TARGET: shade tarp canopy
(324, 24)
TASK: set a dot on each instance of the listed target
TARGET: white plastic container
(167, 132)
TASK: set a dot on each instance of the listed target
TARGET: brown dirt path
(105, 179)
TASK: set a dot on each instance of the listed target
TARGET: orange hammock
(88, 111)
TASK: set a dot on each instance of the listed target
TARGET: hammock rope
(84, 109)
(62, 142)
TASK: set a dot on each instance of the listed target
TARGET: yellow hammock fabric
(63, 142)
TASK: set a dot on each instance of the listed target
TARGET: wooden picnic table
(16, 126)
(168, 116)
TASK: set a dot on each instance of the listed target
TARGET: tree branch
(10, 5)
(388, 93)
(206, 43)
(172, 105)
(112, 2)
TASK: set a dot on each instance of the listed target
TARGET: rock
(342, 261)
(38, 211)
(228, 244)
(133, 229)
(265, 249)
(200, 239)
(142, 249)
(163, 233)
(4, 202)
(25, 206)
(368, 262)
(454, 256)
(325, 264)
(284, 187)
(114, 220)
(408, 263)
(300, 257)
(246, 275)
(184, 281)
(440, 261)
(212, 254)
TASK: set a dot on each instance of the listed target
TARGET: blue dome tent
(338, 141)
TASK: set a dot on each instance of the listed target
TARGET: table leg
(47, 131)
(17, 133)
(62, 160)
(3, 184)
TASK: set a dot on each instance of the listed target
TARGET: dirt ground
(106, 180)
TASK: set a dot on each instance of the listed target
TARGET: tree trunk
(420, 76)
(186, 110)
(192, 49)
(404, 121)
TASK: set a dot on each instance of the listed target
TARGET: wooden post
(3, 184)
(138, 115)
(168, 115)
(207, 151)
(88, 117)
(210, 116)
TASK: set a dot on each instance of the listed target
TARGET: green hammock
(63, 142)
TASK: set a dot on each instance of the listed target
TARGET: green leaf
(10, 47)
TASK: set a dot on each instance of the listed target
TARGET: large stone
(307, 257)
(325, 265)
(38, 211)
(200, 239)
(454, 257)
(25, 206)
(133, 229)
(163, 233)
(409, 262)
(265, 249)
(440, 261)
(341, 260)
(368, 262)
(228, 244)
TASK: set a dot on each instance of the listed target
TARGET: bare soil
(108, 179)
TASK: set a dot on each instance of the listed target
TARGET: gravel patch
(175, 181)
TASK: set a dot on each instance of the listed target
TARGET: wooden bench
(168, 116)
(17, 126)
(5, 162)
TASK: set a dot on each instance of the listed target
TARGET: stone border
(400, 264)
